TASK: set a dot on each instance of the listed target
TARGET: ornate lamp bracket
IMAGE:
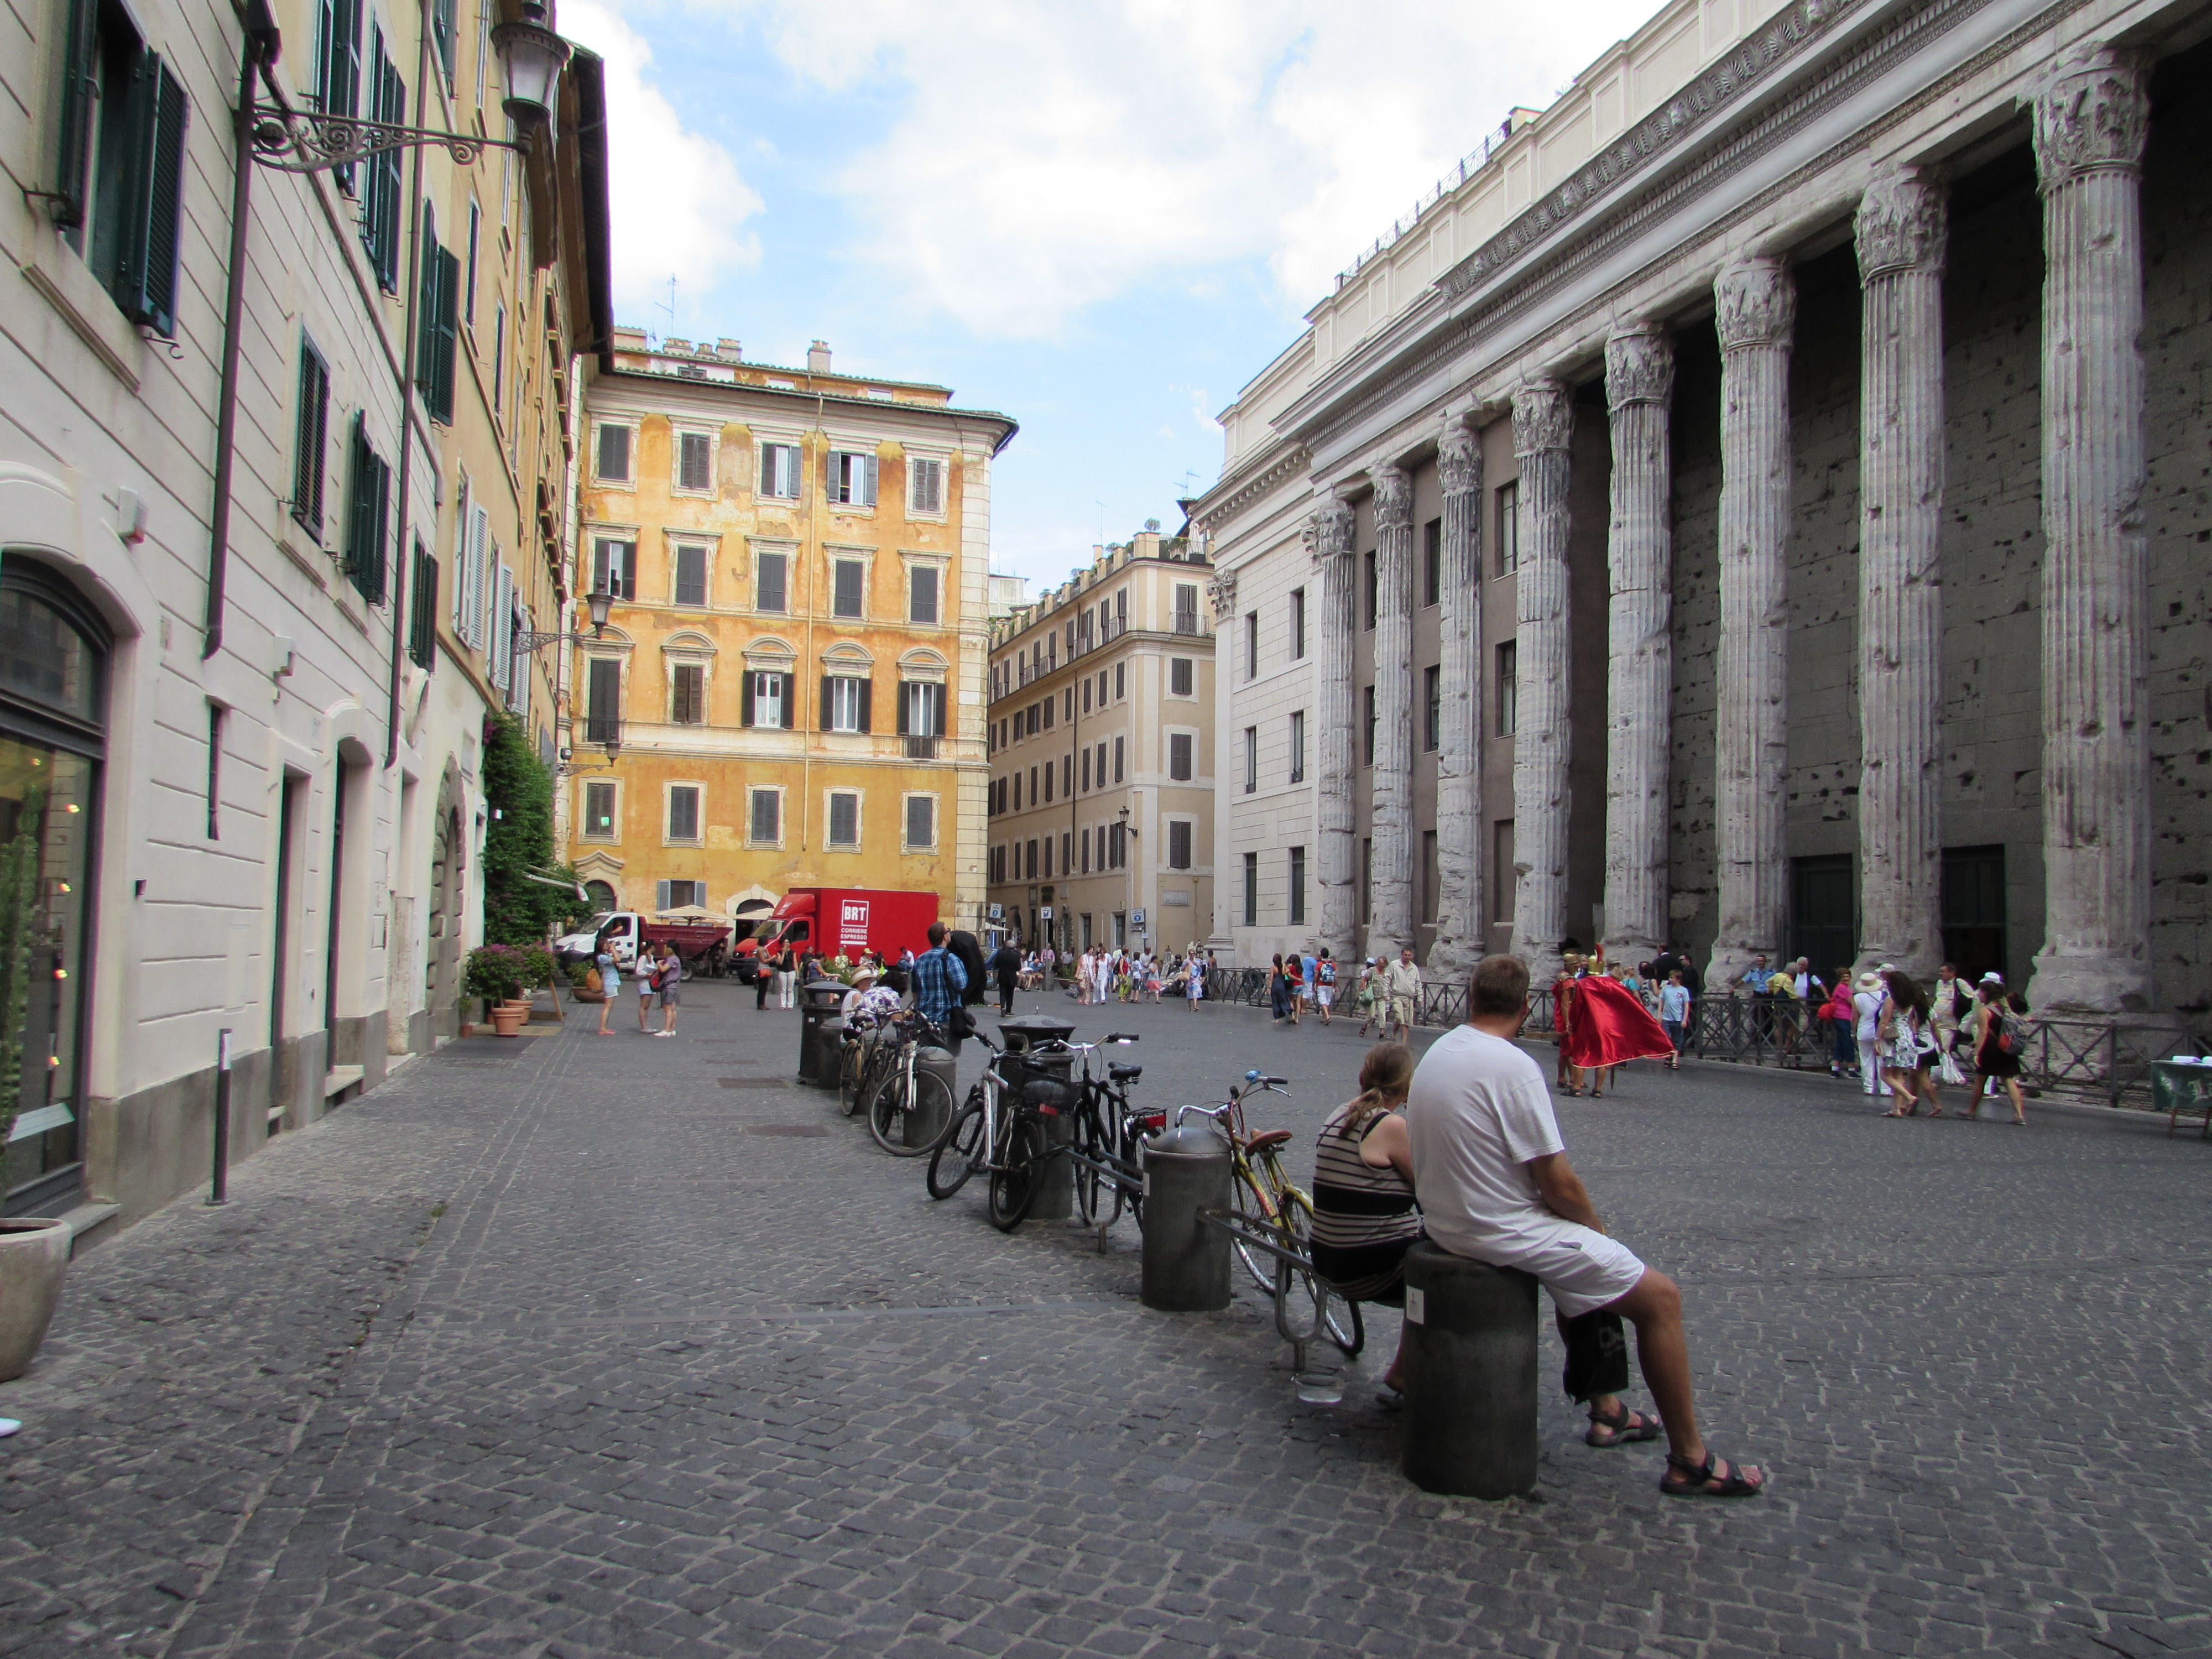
(303, 141)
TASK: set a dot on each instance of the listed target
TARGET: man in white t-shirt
(1495, 1185)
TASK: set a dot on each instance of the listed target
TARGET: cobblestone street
(543, 1349)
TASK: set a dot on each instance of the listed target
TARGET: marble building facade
(1759, 503)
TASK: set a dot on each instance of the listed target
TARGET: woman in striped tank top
(1364, 1216)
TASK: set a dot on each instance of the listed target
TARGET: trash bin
(818, 1002)
(829, 1052)
(1470, 1375)
(1186, 1264)
(1027, 1031)
(924, 1125)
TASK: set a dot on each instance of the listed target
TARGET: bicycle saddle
(1124, 1073)
(1259, 1143)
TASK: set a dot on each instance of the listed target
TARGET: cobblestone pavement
(537, 1351)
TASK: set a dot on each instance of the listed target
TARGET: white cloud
(1049, 157)
(679, 203)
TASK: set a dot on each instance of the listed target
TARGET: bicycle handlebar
(1119, 1036)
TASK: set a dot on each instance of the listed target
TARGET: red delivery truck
(849, 919)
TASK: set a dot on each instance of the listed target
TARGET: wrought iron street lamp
(597, 602)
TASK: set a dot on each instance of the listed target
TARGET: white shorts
(1326, 995)
(1584, 1270)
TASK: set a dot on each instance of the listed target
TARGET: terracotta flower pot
(507, 1022)
(33, 1256)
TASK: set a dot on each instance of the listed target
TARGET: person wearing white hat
(1866, 1005)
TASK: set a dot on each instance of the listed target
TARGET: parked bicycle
(1106, 1140)
(887, 1085)
(1270, 1224)
(1001, 1131)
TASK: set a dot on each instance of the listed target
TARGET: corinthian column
(1337, 867)
(1757, 307)
(1391, 807)
(1543, 424)
(2091, 119)
(1900, 246)
(1639, 380)
(1458, 945)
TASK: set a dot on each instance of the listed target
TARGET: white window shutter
(660, 895)
(868, 481)
(460, 562)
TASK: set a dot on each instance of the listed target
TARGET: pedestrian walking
(668, 985)
(1279, 991)
(610, 984)
(1866, 1020)
(1294, 975)
(938, 981)
(1403, 982)
(1842, 1015)
(1674, 1013)
(1324, 984)
(1006, 964)
(1194, 981)
(1908, 1038)
(1996, 1046)
(1948, 1001)
(1370, 992)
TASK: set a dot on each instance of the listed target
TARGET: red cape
(1609, 1025)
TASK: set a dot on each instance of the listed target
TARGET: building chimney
(817, 357)
(730, 352)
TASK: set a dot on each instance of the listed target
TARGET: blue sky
(1100, 220)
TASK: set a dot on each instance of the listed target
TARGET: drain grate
(752, 1082)
(789, 1131)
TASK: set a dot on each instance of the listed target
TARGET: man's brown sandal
(1622, 1427)
(1714, 1478)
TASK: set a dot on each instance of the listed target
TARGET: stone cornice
(1291, 462)
(1425, 344)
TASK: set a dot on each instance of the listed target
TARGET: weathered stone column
(1543, 424)
(1639, 382)
(1459, 939)
(1900, 229)
(1757, 308)
(1337, 866)
(2092, 117)
(1391, 806)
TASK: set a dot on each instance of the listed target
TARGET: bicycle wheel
(957, 1155)
(1014, 1183)
(875, 1076)
(919, 1092)
(1244, 1199)
(852, 1073)
(1339, 1318)
(1301, 1302)
(1089, 1142)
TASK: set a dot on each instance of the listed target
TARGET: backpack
(1325, 972)
(2008, 1035)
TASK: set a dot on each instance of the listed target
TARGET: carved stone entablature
(1752, 60)
(1543, 416)
(1394, 497)
(1639, 365)
(1293, 463)
(1755, 304)
(2092, 114)
(1329, 534)
(1900, 225)
(1459, 458)
(1222, 591)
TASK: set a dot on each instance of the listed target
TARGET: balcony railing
(1186, 622)
(921, 749)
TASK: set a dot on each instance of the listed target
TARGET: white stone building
(1763, 497)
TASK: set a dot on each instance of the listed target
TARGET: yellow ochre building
(790, 691)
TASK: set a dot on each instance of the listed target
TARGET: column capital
(1756, 303)
(1222, 590)
(1393, 497)
(1329, 531)
(1543, 416)
(1459, 458)
(2092, 115)
(1901, 225)
(1639, 365)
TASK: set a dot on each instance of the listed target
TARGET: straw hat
(864, 976)
(1869, 981)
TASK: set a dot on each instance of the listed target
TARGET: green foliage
(497, 972)
(519, 840)
(19, 931)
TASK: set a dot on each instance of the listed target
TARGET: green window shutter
(80, 92)
(867, 687)
(311, 435)
(445, 344)
(442, 27)
(387, 102)
(422, 624)
(146, 284)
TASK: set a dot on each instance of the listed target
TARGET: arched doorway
(442, 927)
(53, 713)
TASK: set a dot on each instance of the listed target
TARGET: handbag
(1597, 1355)
(1947, 1068)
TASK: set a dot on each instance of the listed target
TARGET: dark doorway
(341, 785)
(280, 942)
(1824, 912)
(1974, 910)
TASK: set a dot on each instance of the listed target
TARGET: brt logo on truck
(853, 922)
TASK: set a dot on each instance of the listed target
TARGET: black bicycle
(1001, 1131)
(1106, 1140)
(890, 1084)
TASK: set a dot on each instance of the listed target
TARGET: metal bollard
(923, 1127)
(1470, 1376)
(829, 1052)
(1186, 1260)
(1055, 1192)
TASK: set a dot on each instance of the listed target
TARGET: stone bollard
(924, 1125)
(1186, 1258)
(818, 1002)
(829, 1056)
(1470, 1376)
(1055, 1192)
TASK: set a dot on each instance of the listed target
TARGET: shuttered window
(614, 454)
(767, 700)
(614, 567)
(682, 812)
(844, 703)
(924, 486)
(764, 822)
(422, 612)
(769, 588)
(695, 461)
(844, 819)
(921, 594)
(1182, 681)
(687, 699)
(445, 31)
(380, 202)
(600, 811)
(690, 575)
(1118, 759)
(922, 709)
(437, 342)
(920, 823)
(80, 99)
(603, 701)
(778, 470)
(310, 436)
(337, 65)
(119, 197)
(851, 477)
(368, 510)
(848, 583)
(1179, 756)
(1179, 844)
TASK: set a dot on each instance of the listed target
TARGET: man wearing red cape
(1602, 1024)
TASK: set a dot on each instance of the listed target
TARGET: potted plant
(34, 1252)
(496, 973)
